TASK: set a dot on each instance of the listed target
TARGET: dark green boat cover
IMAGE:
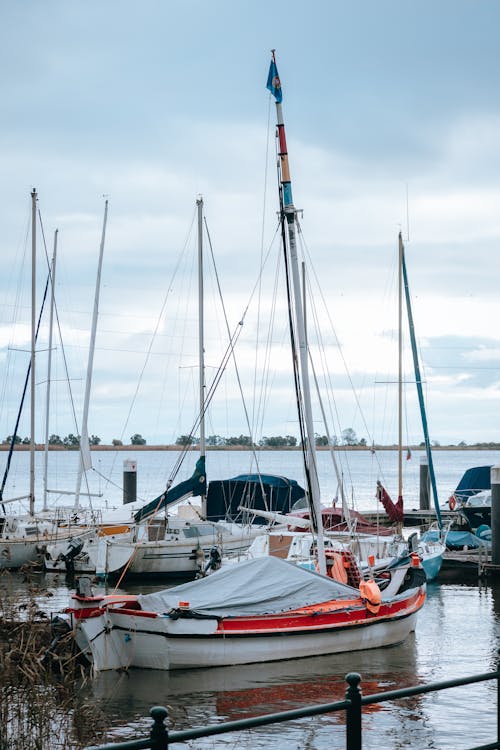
(195, 485)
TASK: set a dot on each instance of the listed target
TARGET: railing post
(498, 698)
(159, 732)
(353, 713)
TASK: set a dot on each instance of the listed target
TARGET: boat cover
(195, 485)
(474, 480)
(266, 585)
(456, 539)
(257, 491)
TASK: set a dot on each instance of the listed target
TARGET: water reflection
(228, 693)
(458, 634)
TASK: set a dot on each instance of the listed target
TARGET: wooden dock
(466, 563)
(413, 517)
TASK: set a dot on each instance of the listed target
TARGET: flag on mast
(273, 81)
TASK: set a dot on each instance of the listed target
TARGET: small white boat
(174, 546)
(258, 611)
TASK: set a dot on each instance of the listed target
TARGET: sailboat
(167, 536)
(24, 537)
(265, 609)
(431, 549)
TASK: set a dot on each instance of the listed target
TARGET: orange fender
(371, 594)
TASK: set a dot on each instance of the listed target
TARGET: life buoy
(452, 502)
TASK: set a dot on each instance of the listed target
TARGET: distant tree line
(348, 438)
(73, 441)
(276, 441)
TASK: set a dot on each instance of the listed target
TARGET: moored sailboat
(25, 536)
(265, 609)
(431, 549)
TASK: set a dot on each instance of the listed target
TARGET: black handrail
(161, 739)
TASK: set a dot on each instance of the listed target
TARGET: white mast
(201, 342)
(49, 369)
(400, 369)
(85, 457)
(33, 338)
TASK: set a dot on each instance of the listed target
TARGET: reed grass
(43, 701)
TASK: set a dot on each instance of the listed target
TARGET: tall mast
(288, 215)
(49, 370)
(201, 342)
(400, 370)
(418, 379)
(85, 458)
(33, 340)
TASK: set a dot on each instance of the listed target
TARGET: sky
(392, 116)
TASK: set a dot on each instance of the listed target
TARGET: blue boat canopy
(474, 480)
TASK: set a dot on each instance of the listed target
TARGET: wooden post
(129, 481)
(495, 515)
(353, 713)
(424, 484)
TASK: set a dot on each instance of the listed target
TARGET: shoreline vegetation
(257, 448)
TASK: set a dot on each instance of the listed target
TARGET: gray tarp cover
(266, 585)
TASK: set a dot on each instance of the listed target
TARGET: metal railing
(160, 738)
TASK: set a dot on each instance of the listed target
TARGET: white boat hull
(16, 553)
(171, 556)
(116, 641)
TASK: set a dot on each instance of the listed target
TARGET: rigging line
(295, 363)
(231, 345)
(293, 346)
(257, 338)
(358, 403)
(265, 387)
(14, 435)
(334, 413)
(15, 310)
(153, 337)
(211, 391)
(75, 419)
(345, 466)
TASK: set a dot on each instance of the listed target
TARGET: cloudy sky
(392, 114)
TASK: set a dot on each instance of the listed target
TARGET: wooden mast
(288, 216)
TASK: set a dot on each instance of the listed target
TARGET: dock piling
(495, 515)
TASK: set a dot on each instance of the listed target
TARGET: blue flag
(273, 82)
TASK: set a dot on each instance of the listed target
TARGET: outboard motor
(75, 546)
(83, 587)
(214, 561)
(413, 542)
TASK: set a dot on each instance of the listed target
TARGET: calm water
(360, 471)
(457, 634)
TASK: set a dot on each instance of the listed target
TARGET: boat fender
(415, 559)
(452, 502)
(371, 595)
